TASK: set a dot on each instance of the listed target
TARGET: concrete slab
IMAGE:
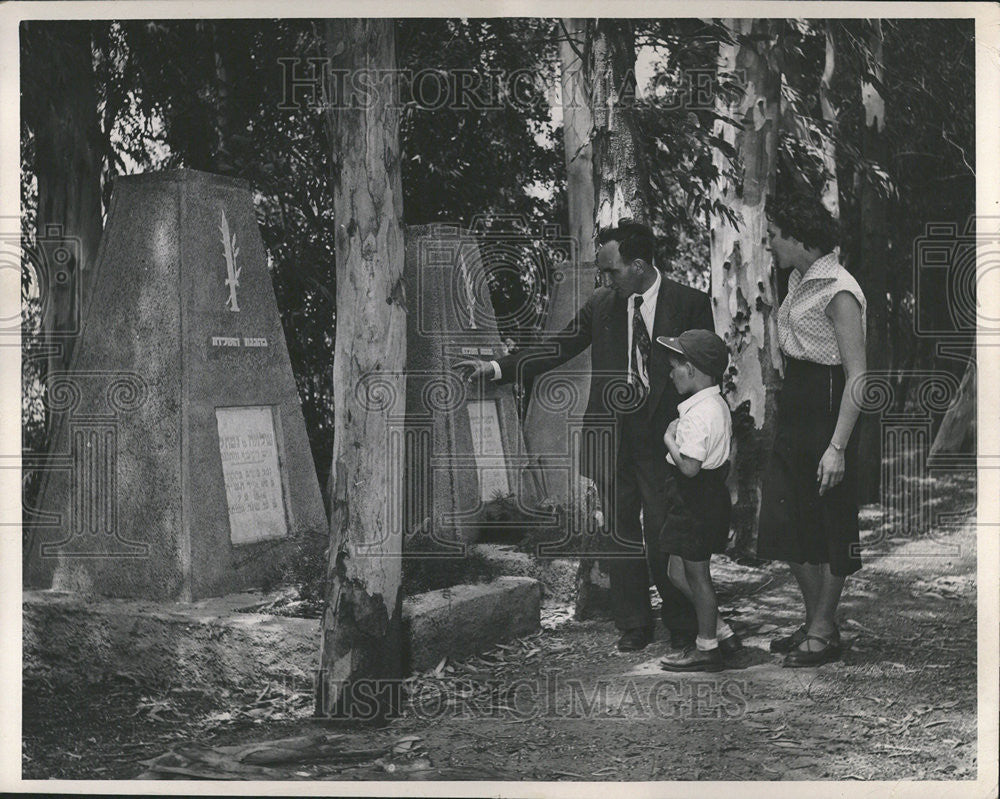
(211, 644)
(557, 575)
(466, 619)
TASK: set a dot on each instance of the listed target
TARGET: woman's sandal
(802, 657)
(787, 643)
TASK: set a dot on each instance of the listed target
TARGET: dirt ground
(563, 704)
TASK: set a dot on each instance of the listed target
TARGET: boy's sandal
(801, 657)
(788, 642)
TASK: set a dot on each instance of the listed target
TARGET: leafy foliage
(676, 117)
(209, 94)
(928, 85)
(477, 155)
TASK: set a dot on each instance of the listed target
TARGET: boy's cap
(702, 347)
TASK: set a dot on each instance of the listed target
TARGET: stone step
(556, 575)
(467, 619)
(211, 644)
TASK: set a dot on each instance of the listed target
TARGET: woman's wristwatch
(838, 447)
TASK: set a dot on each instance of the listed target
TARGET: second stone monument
(463, 442)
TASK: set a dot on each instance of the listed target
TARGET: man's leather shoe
(802, 657)
(635, 639)
(730, 646)
(681, 639)
(693, 659)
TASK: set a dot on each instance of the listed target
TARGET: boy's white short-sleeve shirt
(704, 428)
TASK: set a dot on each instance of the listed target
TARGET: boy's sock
(722, 630)
(705, 644)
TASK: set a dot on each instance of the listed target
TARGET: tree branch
(961, 150)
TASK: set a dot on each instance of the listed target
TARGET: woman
(809, 509)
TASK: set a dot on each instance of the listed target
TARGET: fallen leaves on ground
(326, 754)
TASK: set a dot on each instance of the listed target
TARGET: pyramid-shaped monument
(180, 467)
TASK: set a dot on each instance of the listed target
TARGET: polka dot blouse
(805, 332)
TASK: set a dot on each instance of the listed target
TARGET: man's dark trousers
(635, 478)
(639, 485)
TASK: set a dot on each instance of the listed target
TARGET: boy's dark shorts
(699, 513)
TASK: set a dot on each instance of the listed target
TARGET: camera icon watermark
(951, 268)
(48, 274)
(911, 508)
(80, 495)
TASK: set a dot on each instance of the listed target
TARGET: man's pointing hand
(474, 370)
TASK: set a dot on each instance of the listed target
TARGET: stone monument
(463, 442)
(181, 467)
(559, 397)
(553, 427)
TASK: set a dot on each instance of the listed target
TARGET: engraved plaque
(251, 474)
(487, 446)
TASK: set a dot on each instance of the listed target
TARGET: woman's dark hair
(635, 240)
(801, 216)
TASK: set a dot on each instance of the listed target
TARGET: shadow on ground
(563, 704)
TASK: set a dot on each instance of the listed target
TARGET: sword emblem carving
(230, 250)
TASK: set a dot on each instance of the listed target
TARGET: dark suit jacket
(602, 325)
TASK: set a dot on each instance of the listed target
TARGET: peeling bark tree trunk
(743, 293)
(222, 122)
(620, 175)
(578, 125)
(872, 267)
(829, 196)
(361, 644)
(68, 159)
(620, 184)
(592, 597)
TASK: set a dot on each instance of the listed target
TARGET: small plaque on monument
(487, 446)
(250, 471)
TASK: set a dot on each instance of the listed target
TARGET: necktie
(640, 350)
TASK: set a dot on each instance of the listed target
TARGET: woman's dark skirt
(698, 513)
(797, 525)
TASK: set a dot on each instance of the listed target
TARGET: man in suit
(632, 397)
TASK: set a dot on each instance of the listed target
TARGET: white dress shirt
(648, 310)
(704, 428)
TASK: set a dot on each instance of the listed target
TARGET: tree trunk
(620, 175)
(592, 598)
(222, 123)
(872, 267)
(578, 125)
(844, 83)
(743, 293)
(829, 195)
(62, 115)
(619, 185)
(361, 626)
(959, 424)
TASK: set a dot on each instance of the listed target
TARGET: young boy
(698, 505)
